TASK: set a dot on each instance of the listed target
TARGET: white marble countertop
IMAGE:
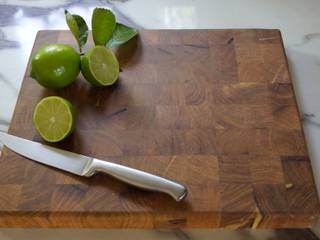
(298, 21)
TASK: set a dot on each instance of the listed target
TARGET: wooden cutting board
(212, 109)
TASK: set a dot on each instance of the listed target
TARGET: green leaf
(103, 25)
(78, 27)
(121, 35)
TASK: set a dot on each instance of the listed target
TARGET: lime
(54, 118)
(55, 65)
(100, 66)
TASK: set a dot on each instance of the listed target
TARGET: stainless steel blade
(54, 157)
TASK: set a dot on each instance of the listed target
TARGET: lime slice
(100, 66)
(54, 118)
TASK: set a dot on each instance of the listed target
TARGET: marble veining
(311, 36)
(120, 16)
(308, 37)
(8, 83)
(5, 43)
(309, 118)
(10, 14)
(10, 10)
(4, 122)
(298, 21)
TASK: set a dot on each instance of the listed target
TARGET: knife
(87, 166)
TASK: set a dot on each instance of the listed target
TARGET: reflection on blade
(58, 158)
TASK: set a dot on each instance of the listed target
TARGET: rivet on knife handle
(137, 178)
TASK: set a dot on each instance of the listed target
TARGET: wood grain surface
(212, 109)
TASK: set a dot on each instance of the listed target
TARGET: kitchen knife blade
(87, 166)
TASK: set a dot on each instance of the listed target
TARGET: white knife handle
(138, 178)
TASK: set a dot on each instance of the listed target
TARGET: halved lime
(100, 66)
(54, 118)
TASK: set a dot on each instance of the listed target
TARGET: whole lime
(55, 65)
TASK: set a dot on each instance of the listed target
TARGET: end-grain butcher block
(212, 109)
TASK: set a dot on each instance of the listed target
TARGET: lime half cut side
(54, 118)
(100, 66)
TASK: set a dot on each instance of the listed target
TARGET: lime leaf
(78, 27)
(103, 25)
(121, 34)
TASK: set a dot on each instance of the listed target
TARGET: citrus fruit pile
(58, 65)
